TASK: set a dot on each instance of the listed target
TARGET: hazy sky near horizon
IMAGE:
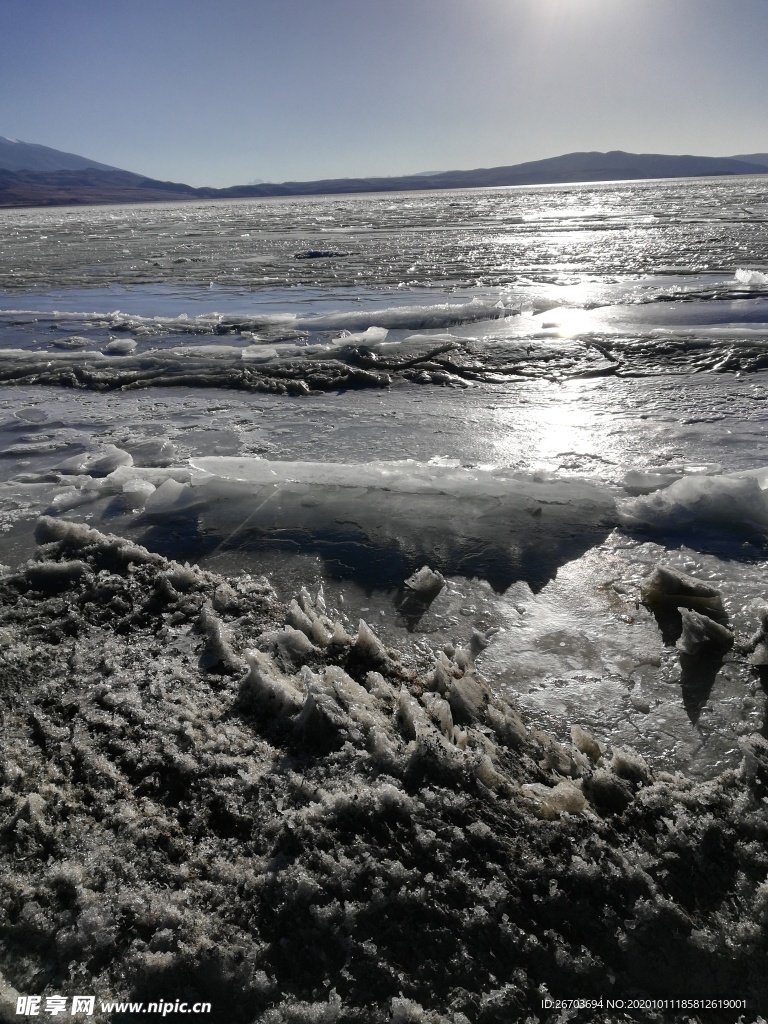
(222, 92)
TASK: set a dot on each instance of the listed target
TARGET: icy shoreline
(208, 792)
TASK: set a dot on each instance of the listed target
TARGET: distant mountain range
(28, 156)
(32, 175)
(754, 158)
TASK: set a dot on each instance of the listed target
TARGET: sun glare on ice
(560, 430)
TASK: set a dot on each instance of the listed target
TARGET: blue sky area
(221, 92)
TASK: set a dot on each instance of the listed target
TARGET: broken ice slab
(638, 482)
(378, 521)
(426, 583)
(758, 644)
(703, 636)
(421, 589)
(120, 347)
(99, 464)
(669, 588)
(382, 519)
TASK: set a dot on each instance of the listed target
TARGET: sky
(223, 92)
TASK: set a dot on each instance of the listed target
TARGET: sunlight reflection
(563, 429)
(567, 322)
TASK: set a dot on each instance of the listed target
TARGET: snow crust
(193, 800)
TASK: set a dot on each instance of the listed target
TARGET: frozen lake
(511, 386)
(253, 746)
